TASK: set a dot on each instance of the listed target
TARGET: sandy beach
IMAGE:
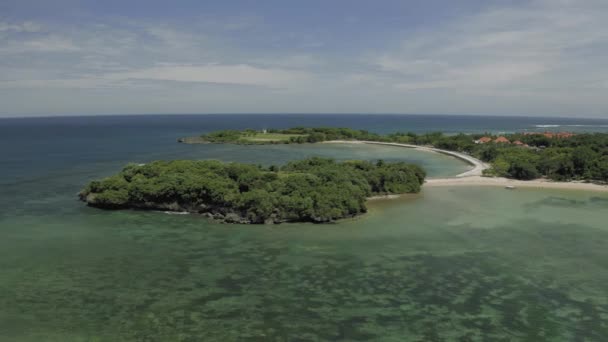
(504, 182)
(473, 177)
(478, 165)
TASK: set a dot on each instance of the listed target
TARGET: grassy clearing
(271, 137)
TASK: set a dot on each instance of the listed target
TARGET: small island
(315, 190)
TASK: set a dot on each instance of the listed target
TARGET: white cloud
(241, 74)
(49, 44)
(26, 26)
(82, 83)
(37, 45)
(474, 77)
(515, 47)
(393, 63)
(290, 61)
(544, 57)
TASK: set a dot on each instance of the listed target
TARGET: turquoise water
(470, 264)
(449, 264)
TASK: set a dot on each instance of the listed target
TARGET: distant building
(565, 135)
(553, 135)
(483, 140)
(502, 140)
(519, 143)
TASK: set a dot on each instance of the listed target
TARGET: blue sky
(539, 57)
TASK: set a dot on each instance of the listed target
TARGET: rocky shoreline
(219, 214)
(215, 213)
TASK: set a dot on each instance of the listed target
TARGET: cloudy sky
(507, 57)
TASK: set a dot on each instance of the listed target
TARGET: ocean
(476, 263)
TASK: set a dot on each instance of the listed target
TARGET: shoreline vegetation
(317, 190)
(474, 177)
(322, 190)
(543, 159)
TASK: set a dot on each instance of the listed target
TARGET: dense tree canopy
(296, 135)
(578, 157)
(315, 189)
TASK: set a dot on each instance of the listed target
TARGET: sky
(480, 57)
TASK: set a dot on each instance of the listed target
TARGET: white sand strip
(478, 165)
(504, 182)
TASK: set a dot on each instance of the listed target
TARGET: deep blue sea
(448, 264)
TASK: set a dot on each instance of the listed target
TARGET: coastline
(474, 177)
(504, 182)
(478, 165)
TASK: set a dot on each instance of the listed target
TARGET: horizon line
(35, 116)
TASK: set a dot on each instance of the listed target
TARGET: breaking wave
(551, 126)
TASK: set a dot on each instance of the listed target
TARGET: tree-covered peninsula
(525, 156)
(311, 190)
(296, 135)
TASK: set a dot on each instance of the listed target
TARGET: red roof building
(519, 143)
(502, 140)
(484, 140)
(565, 135)
(551, 135)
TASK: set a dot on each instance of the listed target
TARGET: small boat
(510, 187)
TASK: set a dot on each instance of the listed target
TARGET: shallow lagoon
(447, 264)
